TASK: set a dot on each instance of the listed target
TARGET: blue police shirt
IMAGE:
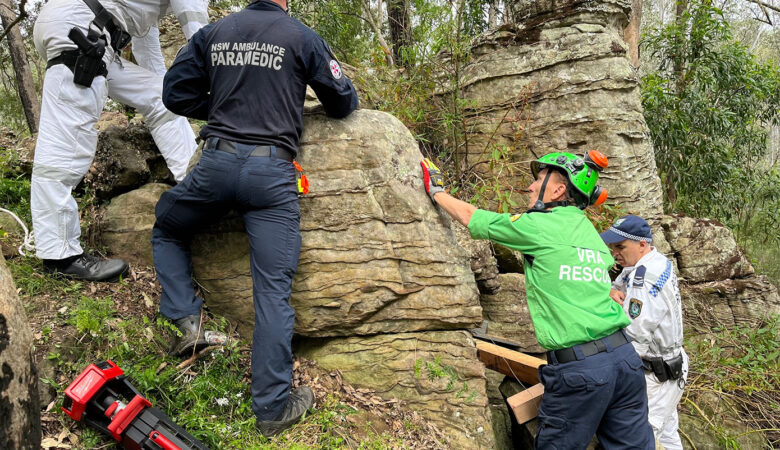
(246, 74)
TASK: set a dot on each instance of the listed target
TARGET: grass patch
(740, 367)
(76, 324)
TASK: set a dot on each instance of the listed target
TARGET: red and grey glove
(432, 178)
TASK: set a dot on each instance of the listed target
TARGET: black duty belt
(258, 150)
(68, 57)
(591, 348)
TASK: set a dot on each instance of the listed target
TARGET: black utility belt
(258, 150)
(591, 348)
(670, 369)
(71, 59)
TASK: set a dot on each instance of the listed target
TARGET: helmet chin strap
(540, 205)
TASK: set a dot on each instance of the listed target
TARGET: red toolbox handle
(162, 441)
(126, 415)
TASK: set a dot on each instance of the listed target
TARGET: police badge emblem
(634, 308)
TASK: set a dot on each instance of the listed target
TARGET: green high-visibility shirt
(566, 272)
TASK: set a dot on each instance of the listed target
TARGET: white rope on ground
(27, 244)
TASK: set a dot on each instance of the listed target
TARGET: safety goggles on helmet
(582, 173)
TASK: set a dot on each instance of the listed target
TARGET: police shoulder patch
(634, 308)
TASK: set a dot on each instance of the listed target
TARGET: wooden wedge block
(509, 362)
(525, 405)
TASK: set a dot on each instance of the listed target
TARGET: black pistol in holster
(89, 57)
(664, 370)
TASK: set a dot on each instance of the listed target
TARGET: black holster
(89, 59)
(670, 369)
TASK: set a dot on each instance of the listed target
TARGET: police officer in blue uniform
(246, 75)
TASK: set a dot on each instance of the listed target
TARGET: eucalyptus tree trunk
(24, 81)
(492, 13)
(679, 62)
(399, 19)
(376, 24)
(631, 33)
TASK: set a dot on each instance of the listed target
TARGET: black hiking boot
(87, 267)
(298, 402)
(190, 337)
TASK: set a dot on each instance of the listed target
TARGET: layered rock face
(506, 313)
(434, 372)
(379, 266)
(705, 250)
(559, 80)
(376, 256)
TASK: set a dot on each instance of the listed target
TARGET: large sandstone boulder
(128, 221)
(705, 250)
(506, 313)
(376, 255)
(20, 416)
(436, 374)
(559, 80)
(726, 303)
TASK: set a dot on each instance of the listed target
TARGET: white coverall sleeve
(192, 15)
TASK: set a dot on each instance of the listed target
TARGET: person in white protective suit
(192, 16)
(82, 41)
(647, 289)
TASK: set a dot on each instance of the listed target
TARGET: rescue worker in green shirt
(594, 383)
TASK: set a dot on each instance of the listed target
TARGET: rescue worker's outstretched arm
(334, 90)
(434, 187)
(458, 209)
(186, 84)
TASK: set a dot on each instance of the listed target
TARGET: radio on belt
(102, 397)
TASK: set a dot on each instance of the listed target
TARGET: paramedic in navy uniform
(246, 75)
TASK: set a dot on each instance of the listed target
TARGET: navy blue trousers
(603, 395)
(264, 190)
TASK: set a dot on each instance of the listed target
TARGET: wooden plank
(477, 333)
(525, 405)
(509, 362)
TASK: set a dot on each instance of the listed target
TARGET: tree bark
(400, 22)
(24, 81)
(372, 21)
(492, 14)
(679, 62)
(631, 33)
(20, 414)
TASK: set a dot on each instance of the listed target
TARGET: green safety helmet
(582, 172)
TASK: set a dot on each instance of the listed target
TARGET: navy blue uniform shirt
(246, 74)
